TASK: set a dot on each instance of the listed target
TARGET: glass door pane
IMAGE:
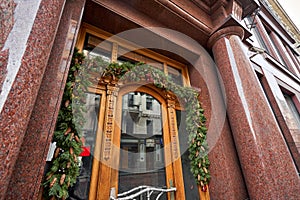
(190, 185)
(81, 189)
(142, 153)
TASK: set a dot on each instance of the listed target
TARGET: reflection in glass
(294, 113)
(94, 46)
(81, 189)
(175, 75)
(142, 154)
(190, 185)
(125, 55)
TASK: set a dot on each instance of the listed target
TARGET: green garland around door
(195, 119)
(64, 167)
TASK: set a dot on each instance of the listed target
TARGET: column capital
(225, 32)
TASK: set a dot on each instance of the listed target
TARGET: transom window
(120, 51)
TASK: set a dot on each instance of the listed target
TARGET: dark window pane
(190, 185)
(175, 75)
(149, 103)
(149, 124)
(80, 190)
(133, 57)
(94, 46)
(293, 110)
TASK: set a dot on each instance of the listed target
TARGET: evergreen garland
(195, 119)
(65, 166)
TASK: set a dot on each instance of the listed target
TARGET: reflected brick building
(253, 107)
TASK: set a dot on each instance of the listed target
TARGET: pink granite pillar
(28, 44)
(29, 168)
(227, 180)
(266, 163)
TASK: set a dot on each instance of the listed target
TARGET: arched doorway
(144, 147)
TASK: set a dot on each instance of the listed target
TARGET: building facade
(236, 53)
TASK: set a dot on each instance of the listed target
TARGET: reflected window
(149, 124)
(130, 100)
(293, 110)
(149, 103)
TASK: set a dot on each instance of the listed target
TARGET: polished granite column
(266, 163)
(29, 167)
(28, 44)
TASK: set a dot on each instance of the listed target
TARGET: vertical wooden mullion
(167, 148)
(81, 38)
(185, 76)
(106, 158)
(116, 144)
(96, 167)
(175, 150)
(165, 68)
(114, 52)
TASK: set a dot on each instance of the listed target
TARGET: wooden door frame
(105, 177)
